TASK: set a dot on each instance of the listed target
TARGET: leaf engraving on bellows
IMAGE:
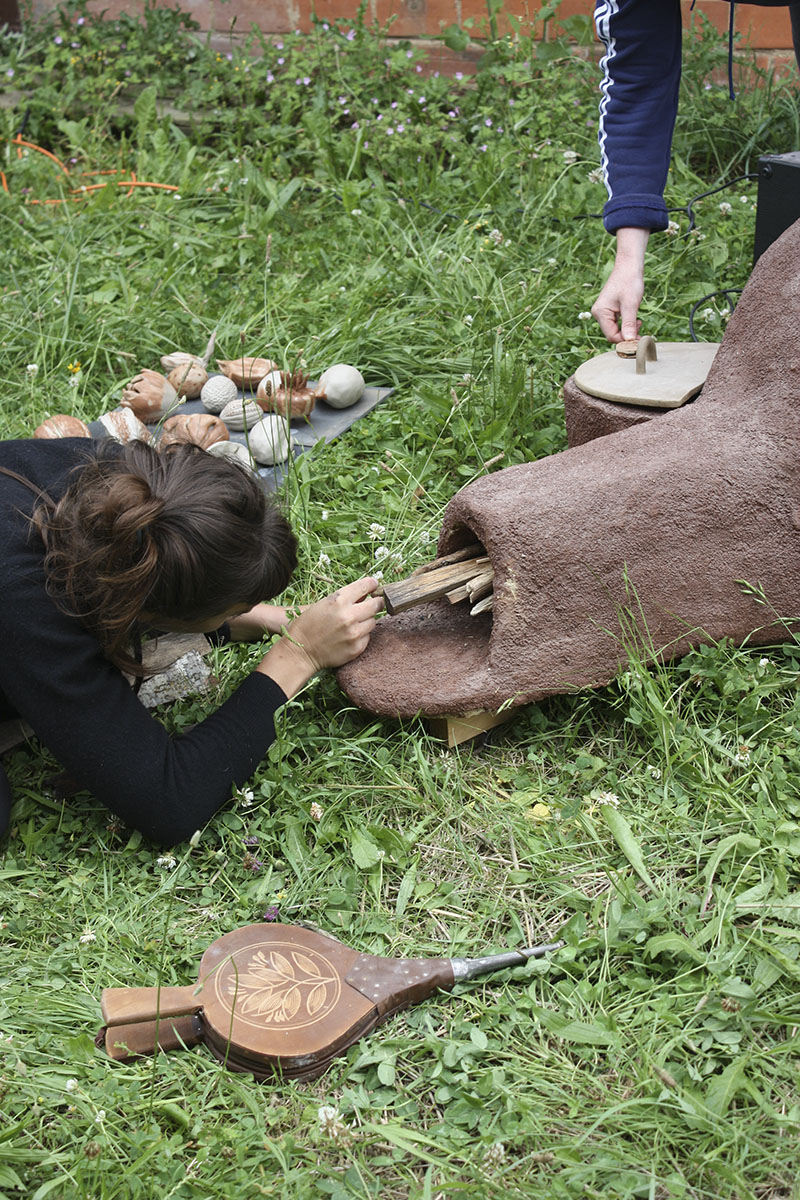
(278, 988)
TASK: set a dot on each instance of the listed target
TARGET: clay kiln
(644, 538)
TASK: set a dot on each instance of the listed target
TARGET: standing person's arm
(641, 77)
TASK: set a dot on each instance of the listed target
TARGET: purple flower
(250, 841)
(271, 913)
(325, 26)
(74, 45)
(483, 148)
(229, 56)
(459, 75)
(488, 122)
(389, 129)
(281, 61)
(10, 73)
(422, 100)
(355, 125)
(343, 99)
(270, 77)
(250, 863)
(409, 53)
(435, 74)
(58, 39)
(418, 69)
(81, 21)
(350, 35)
(279, 45)
(394, 104)
(400, 128)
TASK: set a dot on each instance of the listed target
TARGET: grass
(655, 825)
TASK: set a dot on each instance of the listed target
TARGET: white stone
(269, 440)
(218, 391)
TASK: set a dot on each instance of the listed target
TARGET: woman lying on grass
(100, 543)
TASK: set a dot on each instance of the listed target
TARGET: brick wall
(767, 29)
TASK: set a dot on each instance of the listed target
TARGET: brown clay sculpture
(654, 539)
(203, 429)
(61, 426)
(288, 394)
(246, 372)
(188, 379)
(150, 396)
(124, 426)
(282, 1000)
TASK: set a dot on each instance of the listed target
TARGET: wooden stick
(457, 556)
(458, 594)
(480, 585)
(483, 605)
(431, 584)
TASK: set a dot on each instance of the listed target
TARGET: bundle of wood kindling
(466, 574)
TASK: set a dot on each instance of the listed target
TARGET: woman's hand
(616, 307)
(326, 634)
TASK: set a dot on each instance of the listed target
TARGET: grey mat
(323, 425)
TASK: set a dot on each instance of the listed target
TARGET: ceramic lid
(663, 375)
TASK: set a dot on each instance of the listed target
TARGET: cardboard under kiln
(644, 539)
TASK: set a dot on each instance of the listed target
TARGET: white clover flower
(324, 559)
(381, 552)
(355, 212)
(377, 575)
(71, 1085)
(494, 1154)
(167, 862)
(610, 798)
(763, 662)
(87, 936)
(584, 316)
(74, 380)
(743, 755)
(315, 811)
(425, 537)
(654, 772)
(496, 236)
(468, 319)
(744, 199)
(325, 514)
(552, 262)
(376, 530)
(595, 175)
(709, 314)
(331, 1124)
(100, 1116)
(725, 208)
(672, 228)
(247, 797)
(570, 156)
(32, 368)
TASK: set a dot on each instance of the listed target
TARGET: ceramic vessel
(124, 426)
(234, 451)
(269, 440)
(202, 429)
(246, 372)
(61, 426)
(240, 414)
(150, 396)
(340, 386)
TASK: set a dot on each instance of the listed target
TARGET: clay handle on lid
(645, 353)
(122, 1006)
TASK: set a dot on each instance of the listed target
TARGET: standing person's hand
(327, 634)
(616, 308)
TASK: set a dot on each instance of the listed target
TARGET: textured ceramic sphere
(240, 414)
(60, 426)
(188, 379)
(217, 392)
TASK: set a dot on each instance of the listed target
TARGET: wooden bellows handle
(122, 1006)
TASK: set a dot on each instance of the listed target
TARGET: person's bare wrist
(289, 663)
